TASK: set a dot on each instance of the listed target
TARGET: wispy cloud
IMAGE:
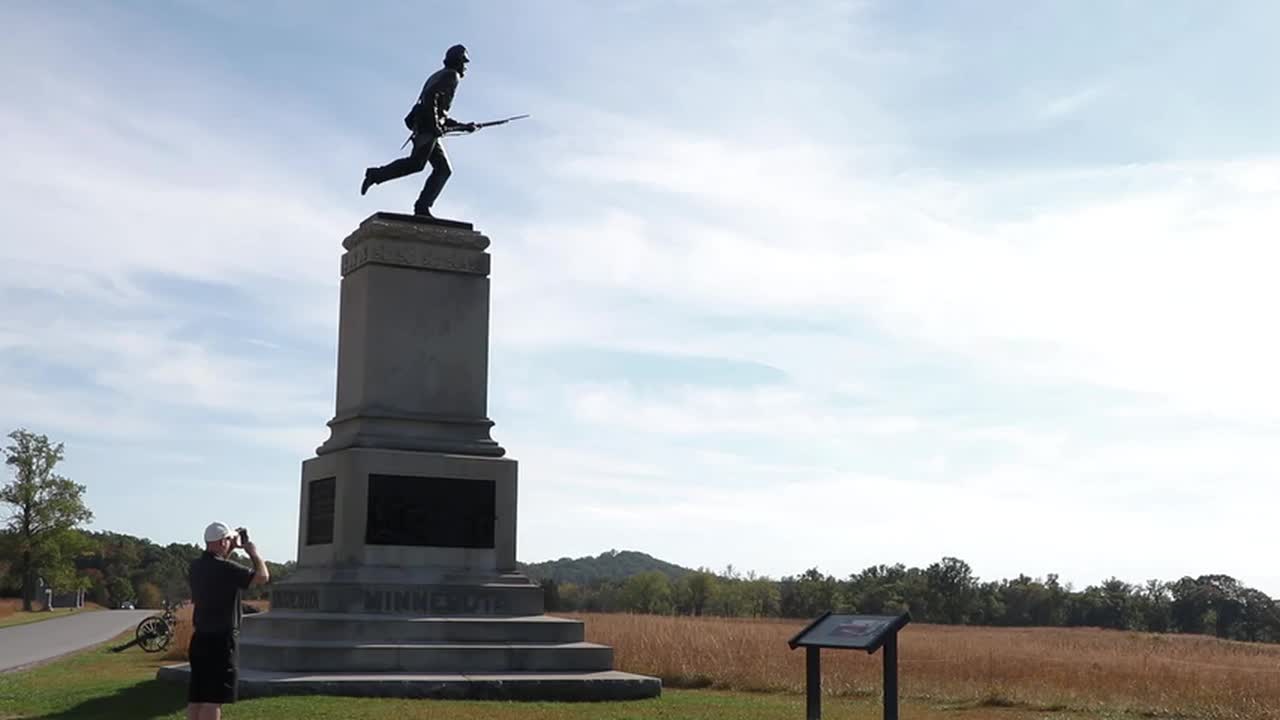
(910, 270)
(1071, 103)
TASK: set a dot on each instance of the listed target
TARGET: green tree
(119, 590)
(1052, 608)
(808, 595)
(729, 598)
(874, 590)
(56, 560)
(1116, 607)
(695, 590)
(149, 596)
(1021, 598)
(550, 595)
(648, 592)
(46, 506)
(97, 585)
(171, 569)
(952, 591)
(1190, 607)
(1261, 617)
(762, 597)
(570, 597)
(989, 606)
(1155, 606)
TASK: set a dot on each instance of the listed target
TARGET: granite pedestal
(406, 582)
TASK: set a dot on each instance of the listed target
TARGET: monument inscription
(433, 512)
(433, 602)
(295, 599)
(431, 257)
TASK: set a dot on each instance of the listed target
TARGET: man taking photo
(216, 583)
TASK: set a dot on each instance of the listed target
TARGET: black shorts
(213, 668)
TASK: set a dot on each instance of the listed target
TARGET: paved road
(31, 643)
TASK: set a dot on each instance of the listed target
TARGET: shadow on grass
(144, 701)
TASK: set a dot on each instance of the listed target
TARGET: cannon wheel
(154, 633)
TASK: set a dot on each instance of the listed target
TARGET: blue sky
(779, 285)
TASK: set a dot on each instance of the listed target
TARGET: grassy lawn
(22, 618)
(104, 686)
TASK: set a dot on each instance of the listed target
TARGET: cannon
(154, 633)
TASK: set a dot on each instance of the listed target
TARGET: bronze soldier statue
(428, 121)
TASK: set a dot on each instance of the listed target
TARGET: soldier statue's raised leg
(426, 149)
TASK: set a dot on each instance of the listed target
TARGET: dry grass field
(182, 636)
(1044, 668)
(9, 606)
(1032, 668)
(11, 612)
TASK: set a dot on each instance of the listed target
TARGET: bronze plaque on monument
(428, 511)
(320, 506)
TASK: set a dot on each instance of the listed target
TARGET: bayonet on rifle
(490, 123)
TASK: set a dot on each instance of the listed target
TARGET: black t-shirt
(215, 590)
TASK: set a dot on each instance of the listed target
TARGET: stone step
(487, 600)
(585, 686)
(368, 628)
(346, 656)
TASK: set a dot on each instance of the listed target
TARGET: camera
(244, 536)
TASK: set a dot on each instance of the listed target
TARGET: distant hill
(611, 565)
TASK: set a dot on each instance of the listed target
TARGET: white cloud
(769, 411)
(1145, 285)
(1072, 103)
(1154, 279)
(808, 234)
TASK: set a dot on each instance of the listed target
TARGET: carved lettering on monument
(435, 602)
(295, 600)
(432, 257)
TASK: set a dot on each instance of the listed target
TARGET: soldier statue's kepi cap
(457, 53)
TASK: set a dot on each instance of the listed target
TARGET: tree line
(945, 592)
(113, 568)
(41, 541)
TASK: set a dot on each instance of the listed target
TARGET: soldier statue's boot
(430, 191)
(368, 181)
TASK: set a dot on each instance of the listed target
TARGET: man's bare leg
(204, 711)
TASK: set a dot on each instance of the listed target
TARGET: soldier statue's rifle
(469, 128)
(477, 126)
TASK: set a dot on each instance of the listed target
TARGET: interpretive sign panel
(855, 632)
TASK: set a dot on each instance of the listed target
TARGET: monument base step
(371, 628)
(346, 656)
(587, 686)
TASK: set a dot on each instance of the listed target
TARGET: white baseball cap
(216, 532)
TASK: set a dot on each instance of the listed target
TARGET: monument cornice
(412, 228)
(420, 243)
